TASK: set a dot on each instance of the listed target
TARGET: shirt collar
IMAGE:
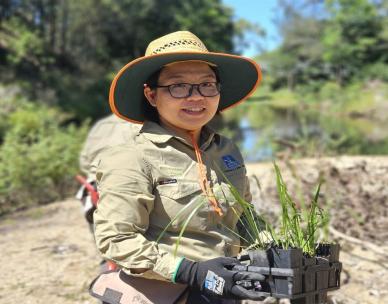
(157, 134)
(208, 134)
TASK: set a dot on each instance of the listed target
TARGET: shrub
(9, 103)
(38, 157)
(376, 71)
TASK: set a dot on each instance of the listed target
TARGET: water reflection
(264, 130)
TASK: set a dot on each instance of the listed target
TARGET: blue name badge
(230, 162)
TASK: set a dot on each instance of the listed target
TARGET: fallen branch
(369, 245)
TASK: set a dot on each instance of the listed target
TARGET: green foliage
(351, 36)
(38, 157)
(41, 43)
(330, 91)
(332, 40)
(8, 105)
(29, 46)
(296, 230)
(375, 71)
(283, 99)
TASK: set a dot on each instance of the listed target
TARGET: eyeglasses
(183, 90)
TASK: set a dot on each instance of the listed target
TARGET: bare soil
(47, 256)
(48, 253)
(355, 192)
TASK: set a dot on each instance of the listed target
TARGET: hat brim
(239, 78)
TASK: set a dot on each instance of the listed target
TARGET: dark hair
(216, 72)
(150, 112)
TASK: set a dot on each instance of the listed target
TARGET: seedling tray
(290, 274)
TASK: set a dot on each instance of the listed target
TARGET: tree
(331, 40)
(353, 37)
(65, 52)
(299, 58)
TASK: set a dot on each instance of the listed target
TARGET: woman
(177, 165)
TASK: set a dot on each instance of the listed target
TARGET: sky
(261, 12)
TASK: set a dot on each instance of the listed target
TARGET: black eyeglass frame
(192, 85)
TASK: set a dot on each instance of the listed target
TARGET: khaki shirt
(143, 186)
(107, 132)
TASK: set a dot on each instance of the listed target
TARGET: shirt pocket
(176, 201)
(178, 190)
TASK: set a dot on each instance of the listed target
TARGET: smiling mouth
(194, 110)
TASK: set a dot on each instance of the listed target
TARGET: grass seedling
(253, 224)
(295, 231)
(313, 223)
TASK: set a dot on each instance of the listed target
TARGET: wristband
(176, 269)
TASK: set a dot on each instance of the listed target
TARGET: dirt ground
(355, 192)
(48, 254)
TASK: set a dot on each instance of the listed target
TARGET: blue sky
(261, 12)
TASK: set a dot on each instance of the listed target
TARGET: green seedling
(295, 231)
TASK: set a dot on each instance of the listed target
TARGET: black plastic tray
(289, 274)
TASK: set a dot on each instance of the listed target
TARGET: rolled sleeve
(122, 217)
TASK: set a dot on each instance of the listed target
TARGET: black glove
(214, 278)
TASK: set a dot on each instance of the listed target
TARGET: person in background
(106, 132)
(177, 166)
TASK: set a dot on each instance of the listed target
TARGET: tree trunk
(64, 26)
(53, 26)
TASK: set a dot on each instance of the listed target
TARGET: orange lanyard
(205, 184)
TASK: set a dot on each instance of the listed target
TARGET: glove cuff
(186, 272)
(176, 270)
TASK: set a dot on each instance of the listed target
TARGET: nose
(194, 92)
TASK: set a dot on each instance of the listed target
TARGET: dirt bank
(355, 192)
(48, 255)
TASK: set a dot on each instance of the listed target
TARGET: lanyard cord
(203, 181)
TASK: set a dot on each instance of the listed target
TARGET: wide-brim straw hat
(239, 76)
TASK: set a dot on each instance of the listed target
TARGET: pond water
(264, 132)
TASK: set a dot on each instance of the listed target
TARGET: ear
(150, 95)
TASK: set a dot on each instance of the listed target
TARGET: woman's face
(190, 113)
